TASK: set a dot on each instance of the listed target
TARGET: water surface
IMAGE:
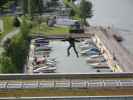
(117, 14)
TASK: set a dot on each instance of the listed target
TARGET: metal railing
(86, 81)
(70, 84)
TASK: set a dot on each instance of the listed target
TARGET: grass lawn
(76, 17)
(64, 92)
(8, 26)
(48, 31)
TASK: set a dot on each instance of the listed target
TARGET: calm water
(118, 14)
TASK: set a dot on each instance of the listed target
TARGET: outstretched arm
(65, 39)
(76, 40)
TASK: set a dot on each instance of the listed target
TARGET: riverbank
(118, 57)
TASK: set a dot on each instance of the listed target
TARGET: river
(118, 14)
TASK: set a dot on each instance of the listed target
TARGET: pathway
(8, 36)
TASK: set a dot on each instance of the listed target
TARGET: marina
(51, 56)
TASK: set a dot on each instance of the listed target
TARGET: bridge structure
(68, 81)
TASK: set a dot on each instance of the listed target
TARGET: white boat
(43, 53)
(87, 41)
(95, 56)
(51, 64)
(84, 47)
(44, 69)
(97, 60)
(89, 52)
(101, 67)
(94, 64)
(98, 64)
(43, 48)
(51, 59)
(104, 70)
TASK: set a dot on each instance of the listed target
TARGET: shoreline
(119, 58)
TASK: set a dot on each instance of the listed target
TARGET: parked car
(76, 28)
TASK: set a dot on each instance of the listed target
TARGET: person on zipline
(71, 41)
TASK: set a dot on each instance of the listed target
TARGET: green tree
(25, 6)
(16, 51)
(6, 65)
(5, 4)
(53, 3)
(74, 9)
(85, 10)
(72, 13)
(32, 6)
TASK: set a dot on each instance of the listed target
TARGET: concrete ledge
(64, 76)
(71, 98)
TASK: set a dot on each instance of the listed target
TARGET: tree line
(83, 10)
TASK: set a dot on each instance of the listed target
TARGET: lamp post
(29, 7)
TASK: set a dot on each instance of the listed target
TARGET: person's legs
(75, 51)
(68, 50)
